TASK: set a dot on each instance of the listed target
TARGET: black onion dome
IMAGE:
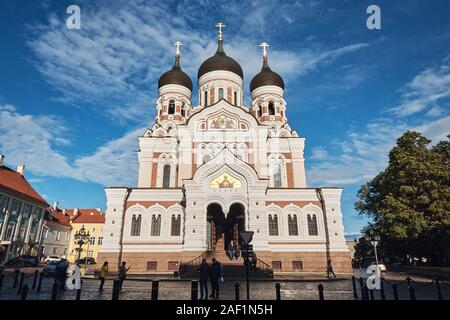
(175, 76)
(266, 77)
(220, 61)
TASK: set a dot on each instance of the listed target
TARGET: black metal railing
(184, 268)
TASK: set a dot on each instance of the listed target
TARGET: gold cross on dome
(220, 26)
(178, 44)
(264, 45)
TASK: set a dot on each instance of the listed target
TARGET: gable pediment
(222, 116)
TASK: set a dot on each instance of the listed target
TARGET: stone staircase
(231, 269)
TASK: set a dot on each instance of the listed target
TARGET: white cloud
(319, 153)
(114, 61)
(362, 155)
(34, 141)
(425, 92)
(30, 140)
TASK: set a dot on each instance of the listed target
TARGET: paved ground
(304, 288)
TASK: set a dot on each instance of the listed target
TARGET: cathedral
(209, 171)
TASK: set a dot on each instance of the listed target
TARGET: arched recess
(292, 210)
(312, 209)
(136, 210)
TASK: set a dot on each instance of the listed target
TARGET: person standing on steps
(204, 273)
(102, 275)
(216, 273)
(123, 273)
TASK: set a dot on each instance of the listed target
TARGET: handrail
(184, 267)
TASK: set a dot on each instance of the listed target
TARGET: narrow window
(312, 225)
(273, 225)
(136, 226)
(176, 225)
(277, 176)
(156, 226)
(166, 176)
(206, 98)
(220, 93)
(235, 98)
(292, 225)
(171, 107)
(259, 110)
(183, 112)
(271, 109)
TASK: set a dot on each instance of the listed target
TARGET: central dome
(220, 61)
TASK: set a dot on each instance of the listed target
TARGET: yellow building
(93, 221)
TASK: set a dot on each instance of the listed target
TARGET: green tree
(409, 202)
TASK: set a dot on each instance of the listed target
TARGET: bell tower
(267, 93)
(175, 90)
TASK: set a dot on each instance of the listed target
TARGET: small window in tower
(206, 98)
(171, 107)
(271, 109)
(183, 112)
(166, 176)
(277, 176)
(206, 158)
(235, 98)
(259, 110)
(220, 93)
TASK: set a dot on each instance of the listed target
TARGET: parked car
(381, 267)
(24, 260)
(83, 261)
(52, 258)
(50, 267)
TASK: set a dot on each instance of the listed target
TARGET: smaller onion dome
(175, 76)
(266, 77)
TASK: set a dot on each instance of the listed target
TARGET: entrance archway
(221, 230)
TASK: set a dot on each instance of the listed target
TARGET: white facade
(223, 153)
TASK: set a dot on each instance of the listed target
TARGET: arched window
(220, 93)
(271, 109)
(292, 225)
(176, 225)
(206, 158)
(312, 225)
(166, 176)
(259, 110)
(273, 225)
(235, 98)
(277, 176)
(156, 226)
(206, 98)
(183, 112)
(136, 225)
(171, 107)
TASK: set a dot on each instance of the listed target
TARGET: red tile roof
(14, 182)
(58, 217)
(86, 216)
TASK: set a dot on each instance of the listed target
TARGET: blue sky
(72, 102)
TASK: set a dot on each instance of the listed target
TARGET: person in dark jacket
(61, 273)
(204, 274)
(215, 274)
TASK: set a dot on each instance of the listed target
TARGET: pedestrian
(123, 273)
(204, 273)
(330, 269)
(102, 275)
(61, 273)
(216, 274)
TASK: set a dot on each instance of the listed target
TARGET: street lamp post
(81, 237)
(374, 240)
